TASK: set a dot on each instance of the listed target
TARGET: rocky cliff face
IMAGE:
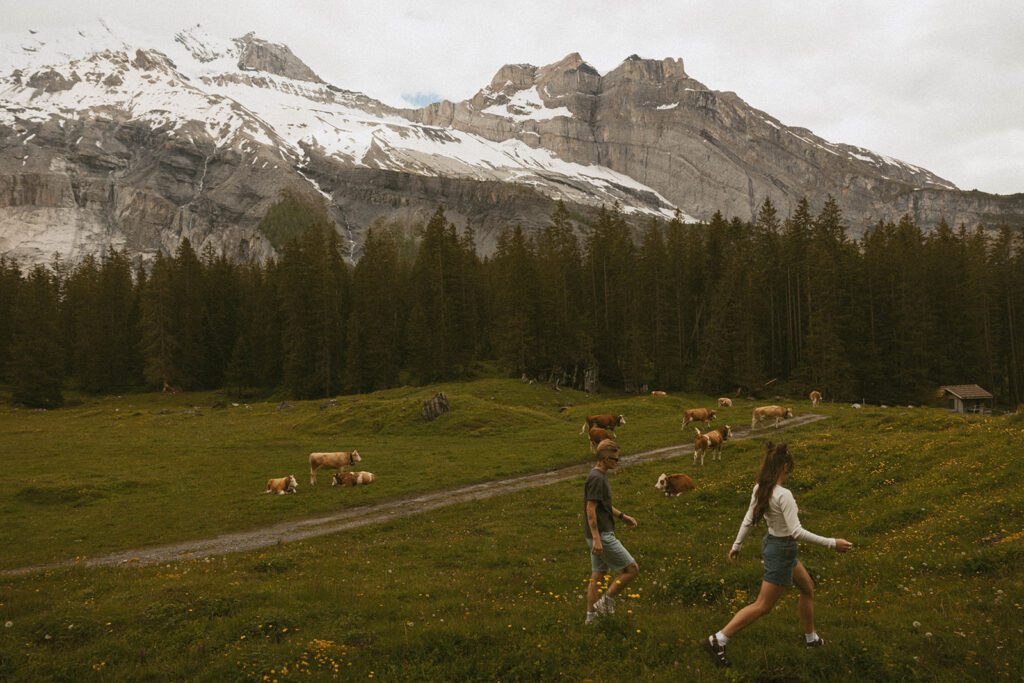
(702, 149)
(109, 140)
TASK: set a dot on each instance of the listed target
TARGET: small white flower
(928, 634)
(917, 624)
(8, 624)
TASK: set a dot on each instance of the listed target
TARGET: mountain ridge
(111, 139)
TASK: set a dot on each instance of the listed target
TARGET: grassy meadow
(493, 590)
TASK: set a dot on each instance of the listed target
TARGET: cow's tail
(583, 430)
(753, 421)
(698, 432)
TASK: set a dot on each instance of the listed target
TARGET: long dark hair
(775, 461)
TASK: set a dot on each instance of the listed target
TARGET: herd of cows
(327, 461)
(603, 426)
(597, 427)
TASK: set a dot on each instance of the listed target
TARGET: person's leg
(766, 599)
(595, 579)
(805, 604)
(627, 575)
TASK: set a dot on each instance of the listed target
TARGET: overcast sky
(937, 83)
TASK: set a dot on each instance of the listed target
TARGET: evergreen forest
(777, 305)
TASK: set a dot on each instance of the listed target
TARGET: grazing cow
(282, 485)
(704, 415)
(597, 435)
(712, 441)
(767, 412)
(604, 421)
(330, 461)
(815, 397)
(674, 484)
(725, 402)
(658, 393)
(352, 478)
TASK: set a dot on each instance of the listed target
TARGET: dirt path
(368, 514)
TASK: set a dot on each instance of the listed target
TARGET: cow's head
(620, 420)
(789, 413)
(726, 432)
(661, 482)
(291, 484)
(712, 414)
(355, 456)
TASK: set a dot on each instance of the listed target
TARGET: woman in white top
(782, 569)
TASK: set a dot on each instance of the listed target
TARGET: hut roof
(967, 391)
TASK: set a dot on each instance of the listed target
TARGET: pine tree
(35, 366)
(10, 279)
(160, 345)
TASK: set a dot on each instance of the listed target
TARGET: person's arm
(595, 535)
(745, 527)
(789, 513)
(629, 520)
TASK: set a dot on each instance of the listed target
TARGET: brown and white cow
(597, 435)
(604, 421)
(658, 393)
(353, 478)
(769, 412)
(282, 485)
(815, 397)
(705, 415)
(330, 461)
(674, 484)
(724, 402)
(711, 440)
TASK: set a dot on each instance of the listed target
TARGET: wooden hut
(966, 398)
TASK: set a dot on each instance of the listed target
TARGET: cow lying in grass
(353, 478)
(282, 485)
(712, 441)
(724, 402)
(674, 484)
(331, 461)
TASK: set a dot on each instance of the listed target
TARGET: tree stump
(435, 406)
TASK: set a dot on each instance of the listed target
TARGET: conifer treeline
(792, 304)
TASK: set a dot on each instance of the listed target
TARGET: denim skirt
(779, 559)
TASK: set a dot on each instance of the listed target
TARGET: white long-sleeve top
(782, 519)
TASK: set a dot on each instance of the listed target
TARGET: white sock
(811, 637)
(721, 638)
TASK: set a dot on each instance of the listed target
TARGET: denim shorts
(779, 559)
(614, 557)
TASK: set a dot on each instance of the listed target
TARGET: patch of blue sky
(421, 99)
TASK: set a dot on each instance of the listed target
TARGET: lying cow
(352, 478)
(604, 421)
(658, 393)
(597, 435)
(725, 402)
(674, 484)
(815, 398)
(330, 461)
(768, 412)
(704, 415)
(712, 441)
(282, 485)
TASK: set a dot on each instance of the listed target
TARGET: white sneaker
(591, 619)
(605, 605)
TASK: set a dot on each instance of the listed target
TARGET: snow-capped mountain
(113, 138)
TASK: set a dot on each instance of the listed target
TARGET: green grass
(493, 590)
